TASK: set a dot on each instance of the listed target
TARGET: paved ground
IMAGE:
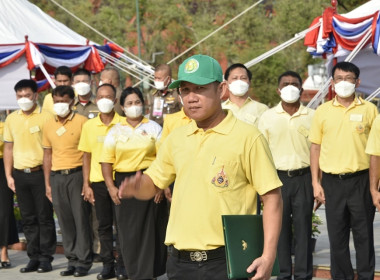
(321, 258)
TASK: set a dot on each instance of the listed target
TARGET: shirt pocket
(360, 127)
(222, 175)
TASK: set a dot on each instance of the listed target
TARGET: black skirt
(142, 229)
(8, 232)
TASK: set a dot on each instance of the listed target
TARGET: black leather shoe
(121, 273)
(30, 267)
(44, 267)
(108, 272)
(68, 272)
(6, 264)
(80, 272)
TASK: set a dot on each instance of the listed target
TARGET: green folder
(244, 239)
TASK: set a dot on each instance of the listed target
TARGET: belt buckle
(198, 256)
(290, 174)
(341, 175)
(65, 172)
(27, 170)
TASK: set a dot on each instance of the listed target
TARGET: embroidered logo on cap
(191, 66)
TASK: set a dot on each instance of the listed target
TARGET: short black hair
(82, 71)
(26, 83)
(107, 85)
(291, 74)
(346, 67)
(63, 70)
(64, 90)
(131, 90)
(234, 66)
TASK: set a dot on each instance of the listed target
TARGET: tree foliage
(172, 26)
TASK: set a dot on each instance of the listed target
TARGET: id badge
(158, 107)
(60, 131)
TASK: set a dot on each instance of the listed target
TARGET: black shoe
(80, 272)
(108, 272)
(121, 273)
(68, 272)
(6, 264)
(31, 266)
(44, 266)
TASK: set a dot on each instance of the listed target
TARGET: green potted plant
(315, 222)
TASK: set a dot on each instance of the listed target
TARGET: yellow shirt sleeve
(84, 144)
(109, 148)
(315, 135)
(373, 144)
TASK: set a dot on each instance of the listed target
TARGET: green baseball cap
(200, 70)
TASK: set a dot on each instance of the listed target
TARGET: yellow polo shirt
(63, 139)
(94, 132)
(287, 136)
(373, 144)
(173, 121)
(250, 112)
(25, 132)
(217, 172)
(1, 139)
(48, 103)
(343, 133)
(131, 149)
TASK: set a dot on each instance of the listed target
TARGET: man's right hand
(319, 193)
(11, 184)
(48, 193)
(376, 197)
(113, 191)
(129, 185)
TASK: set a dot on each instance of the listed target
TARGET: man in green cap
(211, 178)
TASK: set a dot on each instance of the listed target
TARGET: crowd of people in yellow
(157, 184)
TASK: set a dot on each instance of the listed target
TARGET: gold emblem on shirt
(360, 128)
(220, 180)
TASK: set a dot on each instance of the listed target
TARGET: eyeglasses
(347, 79)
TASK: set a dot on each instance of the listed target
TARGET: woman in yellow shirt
(8, 232)
(130, 147)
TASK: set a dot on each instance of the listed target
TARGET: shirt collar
(69, 118)
(116, 119)
(224, 127)
(249, 99)
(357, 101)
(144, 120)
(302, 110)
(36, 110)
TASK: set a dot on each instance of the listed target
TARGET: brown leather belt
(197, 256)
(30, 170)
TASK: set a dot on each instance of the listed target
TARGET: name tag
(356, 117)
(123, 138)
(101, 139)
(60, 131)
(34, 129)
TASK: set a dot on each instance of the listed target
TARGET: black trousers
(349, 206)
(298, 199)
(8, 232)
(178, 269)
(105, 213)
(37, 215)
(74, 218)
(142, 228)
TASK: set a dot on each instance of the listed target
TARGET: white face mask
(25, 103)
(105, 105)
(81, 88)
(133, 111)
(238, 87)
(344, 89)
(290, 94)
(160, 85)
(61, 109)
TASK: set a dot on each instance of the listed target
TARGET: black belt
(343, 176)
(67, 171)
(30, 170)
(295, 172)
(197, 256)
